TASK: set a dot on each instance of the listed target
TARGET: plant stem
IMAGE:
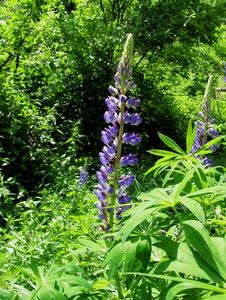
(118, 284)
(117, 165)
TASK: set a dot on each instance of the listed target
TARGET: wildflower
(83, 178)
(111, 186)
(205, 126)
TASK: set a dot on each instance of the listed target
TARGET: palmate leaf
(171, 143)
(132, 223)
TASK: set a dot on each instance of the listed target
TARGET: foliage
(57, 60)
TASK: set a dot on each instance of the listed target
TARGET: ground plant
(113, 150)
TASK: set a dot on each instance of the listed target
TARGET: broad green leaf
(114, 259)
(138, 252)
(171, 143)
(178, 288)
(182, 260)
(194, 207)
(198, 237)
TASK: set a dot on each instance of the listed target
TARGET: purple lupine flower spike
(205, 126)
(113, 200)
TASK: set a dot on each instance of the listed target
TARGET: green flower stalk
(113, 200)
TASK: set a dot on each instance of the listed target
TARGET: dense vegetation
(57, 60)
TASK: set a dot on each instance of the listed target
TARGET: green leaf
(114, 259)
(6, 294)
(163, 153)
(198, 237)
(182, 260)
(171, 143)
(93, 246)
(137, 256)
(201, 150)
(190, 137)
(196, 284)
(215, 297)
(135, 220)
(194, 207)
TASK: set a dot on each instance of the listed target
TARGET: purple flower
(113, 90)
(208, 162)
(101, 193)
(102, 177)
(107, 169)
(213, 148)
(133, 119)
(131, 138)
(106, 136)
(133, 102)
(204, 127)
(104, 158)
(122, 98)
(126, 181)
(130, 85)
(110, 117)
(83, 178)
(110, 150)
(213, 132)
(111, 184)
(129, 160)
(123, 199)
(111, 103)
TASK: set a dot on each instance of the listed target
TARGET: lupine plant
(205, 125)
(112, 185)
(83, 178)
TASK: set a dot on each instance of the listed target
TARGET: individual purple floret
(131, 138)
(129, 160)
(113, 200)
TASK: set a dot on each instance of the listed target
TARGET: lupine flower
(205, 126)
(83, 178)
(112, 185)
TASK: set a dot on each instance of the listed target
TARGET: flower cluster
(83, 178)
(205, 126)
(111, 188)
